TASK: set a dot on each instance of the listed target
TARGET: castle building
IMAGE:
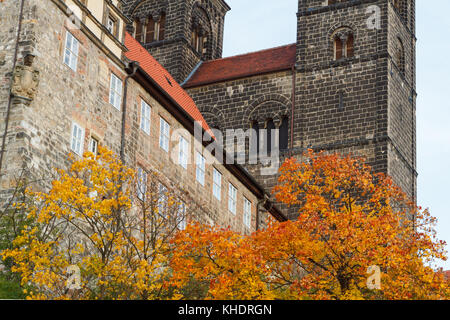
(72, 78)
(347, 84)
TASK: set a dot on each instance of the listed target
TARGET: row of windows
(77, 146)
(163, 199)
(217, 192)
(71, 52)
(183, 156)
(115, 99)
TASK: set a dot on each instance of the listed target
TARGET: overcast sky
(254, 25)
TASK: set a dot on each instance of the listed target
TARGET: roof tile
(250, 64)
(163, 78)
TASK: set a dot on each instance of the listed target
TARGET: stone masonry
(361, 102)
(40, 128)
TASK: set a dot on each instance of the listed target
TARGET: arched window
(284, 134)
(198, 39)
(399, 55)
(155, 30)
(201, 31)
(344, 44)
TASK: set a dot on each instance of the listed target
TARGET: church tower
(355, 86)
(179, 34)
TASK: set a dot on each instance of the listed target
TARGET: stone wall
(41, 130)
(15, 150)
(175, 52)
(360, 104)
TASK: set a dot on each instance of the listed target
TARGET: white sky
(254, 25)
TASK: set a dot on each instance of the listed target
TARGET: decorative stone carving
(25, 79)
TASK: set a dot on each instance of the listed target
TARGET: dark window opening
(284, 134)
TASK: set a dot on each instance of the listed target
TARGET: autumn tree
(211, 262)
(107, 222)
(350, 221)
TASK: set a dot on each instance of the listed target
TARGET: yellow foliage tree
(101, 232)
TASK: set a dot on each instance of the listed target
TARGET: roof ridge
(249, 53)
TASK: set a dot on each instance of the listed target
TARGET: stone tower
(355, 88)
(179, 34)
(346, 85)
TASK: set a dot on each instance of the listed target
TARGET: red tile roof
(250, 64)
(163, 78)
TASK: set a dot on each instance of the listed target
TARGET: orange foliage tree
(350, 220)
(101, 232)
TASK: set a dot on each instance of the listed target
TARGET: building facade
(73, 79)
(347, 84)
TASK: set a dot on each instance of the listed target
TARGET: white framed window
(217, 184)
(183, 152)
(247, 212)
(115, 92)
(181, 219)
(71, 51)
(145, 117)
(164, 134)
(141, 183)
(163, 200)
(77, 143)
(200, 169)
(232, 197)
(93, 145)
